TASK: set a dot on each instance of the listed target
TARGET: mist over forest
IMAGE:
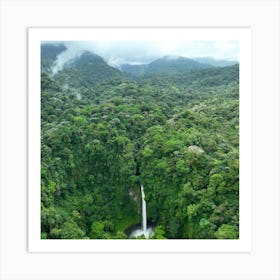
(121, 116)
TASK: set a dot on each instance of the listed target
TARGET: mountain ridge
(163, 64)
(215, 62)
(86, 70)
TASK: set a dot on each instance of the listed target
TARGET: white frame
(243, 36)
(262, 16)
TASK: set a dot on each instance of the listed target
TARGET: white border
(16, 263)
(243, 35)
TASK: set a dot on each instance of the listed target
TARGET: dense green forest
(104, 132)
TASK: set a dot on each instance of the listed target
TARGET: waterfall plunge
(144, 230)
(144, 212)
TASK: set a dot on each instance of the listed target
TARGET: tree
(226, 232)
(159, 232)
(68, 230)
(97, 230)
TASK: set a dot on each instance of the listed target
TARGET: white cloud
(137, 52)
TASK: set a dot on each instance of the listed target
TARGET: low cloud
(116, 53)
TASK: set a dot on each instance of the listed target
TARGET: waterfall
(144, 211)
(143, 230)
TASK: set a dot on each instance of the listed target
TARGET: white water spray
(144, 230)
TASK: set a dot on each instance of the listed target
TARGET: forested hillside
(165, 65)
(103, 134)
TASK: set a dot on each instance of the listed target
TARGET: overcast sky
(139, 52)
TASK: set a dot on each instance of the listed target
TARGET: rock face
(195, 149)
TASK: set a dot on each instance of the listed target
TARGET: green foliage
(226, 232)
(103, 134)
(159, 233)
(97, 230)
(68, 230)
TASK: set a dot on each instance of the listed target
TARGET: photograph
(139, 138)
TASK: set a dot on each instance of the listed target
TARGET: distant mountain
(173, 65)
(215, 62)
(85, 70)
(88, 68)
(208, 77)
(165, 65)
(49, 53)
